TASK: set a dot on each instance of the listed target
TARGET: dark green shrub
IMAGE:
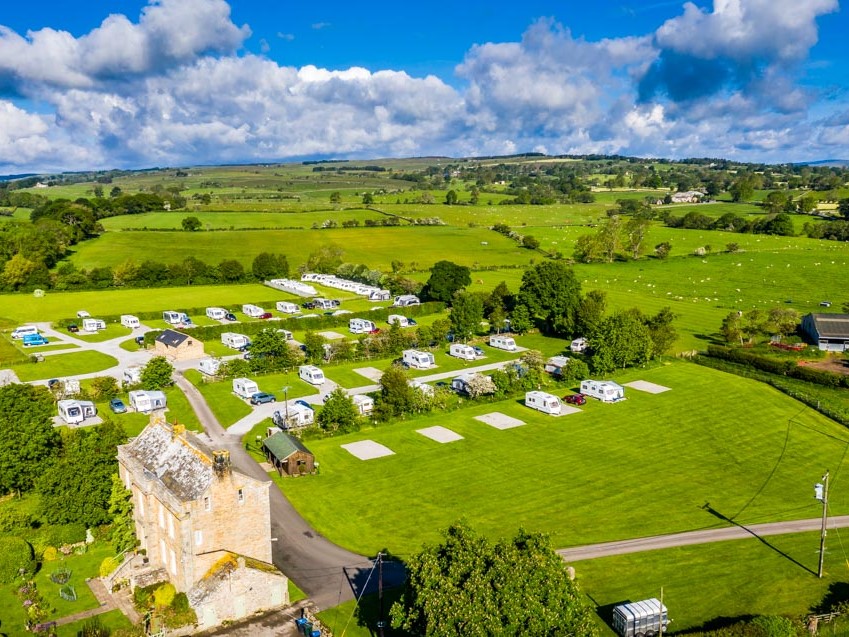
(16, 558)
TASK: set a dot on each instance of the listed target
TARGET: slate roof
(182, 463)
(172, 338)
(831, 325)
(282, 445)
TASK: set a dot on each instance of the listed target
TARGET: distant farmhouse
(691, 196)
(204, 526)
(829, 332)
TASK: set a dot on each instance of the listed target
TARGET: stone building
(196, 518)
(177, 346)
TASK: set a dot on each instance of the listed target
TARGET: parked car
(411, 322)
(478, 351)
(375, 331)
(230, 316)
(303, 403)
(73, 328)
(575, 399)
(825, 303)
(117, 405)
(83, 314)
(53, 382)
(262, 397)
(265, 315)
(139, 340)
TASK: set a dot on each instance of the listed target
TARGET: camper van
(170, 316)
(605, 390)
(216, 313)
(361, 326)
(73, 412)
(31, 340)
(418, 360)
(288, 308)
(234, 340)
(311, 374)
(502, 342)
(405, 299)
(92, 325)
(132, 375)
(146, 401)
(209, 366)
(254, 311)
(541, 401)
(245, 387)
(459, 350)
(647, 617)
(130, 321)
(24, 330)
(578, 346)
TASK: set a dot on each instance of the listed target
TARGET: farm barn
(829, 332)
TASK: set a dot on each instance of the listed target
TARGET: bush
(180, 603)
(50, 554)
(16, 558)
(164, 595)
(57, 535)
(94, 628)
(108, 566)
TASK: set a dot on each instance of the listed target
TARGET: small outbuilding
(178, 346)
(829, 332)
(288, 455)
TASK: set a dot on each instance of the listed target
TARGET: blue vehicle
(262, 397)
(230, 316)
(31, 340)
(117, 406)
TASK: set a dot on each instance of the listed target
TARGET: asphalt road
(705, 536)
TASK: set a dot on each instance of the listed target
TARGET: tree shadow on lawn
(838, 593)
(707, 507)
(365, 580)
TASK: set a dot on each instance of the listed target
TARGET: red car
(265, 315)
(575, 399)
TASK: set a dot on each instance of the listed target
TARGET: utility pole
(380, 622)
(286, 402)
(821, 491)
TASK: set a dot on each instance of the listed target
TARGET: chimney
(221, 462)
(178, 430)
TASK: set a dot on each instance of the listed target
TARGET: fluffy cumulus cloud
(174, 87)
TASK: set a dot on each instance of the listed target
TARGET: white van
(171, 317)
(130, 321)
(245, 387)
(24, 330)
(502, 342)
(417, 359)
(541, 401)
(361, 326)
(216, 313)
(459, 350)
(311, 374)
(288, 308)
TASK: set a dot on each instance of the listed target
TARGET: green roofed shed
(288, 455)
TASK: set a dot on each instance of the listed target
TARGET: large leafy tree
(552, 294)
(123, 531)
(446, 278)
(396, 396)
(466, 314)
(270, 351)
(468, 586)
(269, 266)
(78, 487)
(28, 440)
(620, 341)
(157, 373)
(338, 413)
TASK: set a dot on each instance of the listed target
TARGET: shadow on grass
(838, 593)
(707, 507)
(715, 624)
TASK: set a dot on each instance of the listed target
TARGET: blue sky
(135, 83)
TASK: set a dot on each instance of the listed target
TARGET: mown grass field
(637, 468)
(62, 365)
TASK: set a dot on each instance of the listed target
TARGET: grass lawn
(258, 432)
(129, 345)
(113, 330)
(113, 620)
(587, 477)
(64, 365)
(81, 567)
(227, 407)
(360, 620)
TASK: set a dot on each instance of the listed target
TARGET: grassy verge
(64, 365)
(227, 407)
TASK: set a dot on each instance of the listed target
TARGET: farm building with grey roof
(829, 332)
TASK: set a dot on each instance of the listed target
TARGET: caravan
(216, 313)
(253, 311)
(311, 374)
(405, 300)
(363, 403)
(245, 387)
(541, 401)
(286, 334)
(92, 325)
(296, 414)
(361, 326)
(605, 390)
(146, 401)
(402, 321)
(459, 350)
(234, 340)
(579, 346)
(209, 366)
(324, 304)
(169, 316)
(502, 342)
(130, 321)
(73, 412)
(417, 359)
(288, 308)
(132, 375)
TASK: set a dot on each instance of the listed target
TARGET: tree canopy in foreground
(469, 586)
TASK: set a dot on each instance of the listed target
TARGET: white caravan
(503, 342)
(209, 366)
(361, 326)
(541, 401)
(132, 375)
(459, 350)
(245, 387)
(405, 300)
(146, 401)
(171, 317)
(403, 321)
(92, 325)
(578, 346)
(605, 390)
(216, 313)
(254, 311)
(417, 359)
(130, 321)
(234, 340)
(311, 374)
(288, 308)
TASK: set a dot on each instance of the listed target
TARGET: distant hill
(12, 177)
(829, 163)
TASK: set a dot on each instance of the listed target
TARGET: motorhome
(405, 300)
(245, 387)
(216, 313)
(171, 317)
(311, 374)
(361, 326)
(503, 342)
(146, 401)
(417, 359)
(93, 324)
(459, 350)
(288, 308)
(24, 330)
(234, 340)
(209, 366)
(253, 311)
(130, 321)
(541, 401)
(605, 390)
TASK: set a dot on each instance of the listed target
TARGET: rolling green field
(64, 365)
(596, 476)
